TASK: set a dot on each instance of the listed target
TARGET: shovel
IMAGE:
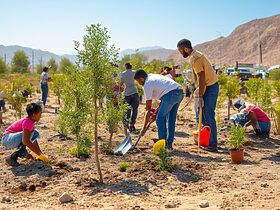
(127, 145)
(187, 103)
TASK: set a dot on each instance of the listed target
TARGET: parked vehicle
(229, 71)
(244, 74)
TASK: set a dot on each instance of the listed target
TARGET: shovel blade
(124, 146)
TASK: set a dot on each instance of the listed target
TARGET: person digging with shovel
(207, 81)
(170, 93)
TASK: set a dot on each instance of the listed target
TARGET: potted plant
(236, 141)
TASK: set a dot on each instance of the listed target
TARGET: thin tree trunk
(1, 119)
(58, 98)
(96, 141)
(110, 139)
(229, 108)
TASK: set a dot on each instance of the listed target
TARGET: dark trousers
(133, 101)
(20, 152)
(208, 111)
(45, 90)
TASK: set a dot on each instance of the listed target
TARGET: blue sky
(53, 24)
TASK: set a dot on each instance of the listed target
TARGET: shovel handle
(139, 137)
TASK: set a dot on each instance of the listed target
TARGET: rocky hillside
(242, 44)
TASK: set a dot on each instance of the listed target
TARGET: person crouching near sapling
(21, 134)
(251, 115)
(170, 93)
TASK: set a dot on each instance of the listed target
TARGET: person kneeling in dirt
(21, 134)
(159, 87)
(252, 115)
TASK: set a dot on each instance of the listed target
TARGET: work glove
(42, 157)
(201, 101)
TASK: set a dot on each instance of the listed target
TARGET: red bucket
(204, 136)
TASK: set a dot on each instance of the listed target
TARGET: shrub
(237, 137)
(123, 166)
(57, 85)
(274, 74)
(114, 114)
(231, 90)
(276, 86)
(265, 96)
(164, 161)
(276, 116)
(82, 149)
(106, 149)
(254, 86)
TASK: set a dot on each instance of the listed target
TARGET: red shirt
(261, 115)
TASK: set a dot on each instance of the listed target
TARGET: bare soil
(197, 176)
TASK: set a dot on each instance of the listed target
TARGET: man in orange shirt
(208, 87)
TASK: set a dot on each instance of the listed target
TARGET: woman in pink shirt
(254, 116)
(21, 134)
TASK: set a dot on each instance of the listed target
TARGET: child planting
(22, 134)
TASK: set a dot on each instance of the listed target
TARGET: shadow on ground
(129, 187)
(33, 168)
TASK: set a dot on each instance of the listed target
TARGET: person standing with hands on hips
(44, 84)
(207, 81)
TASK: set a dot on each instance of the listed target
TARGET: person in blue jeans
(170, 93)
(44, 84)
(131, 96)
(207, 80)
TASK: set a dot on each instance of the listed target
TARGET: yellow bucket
(158, 145)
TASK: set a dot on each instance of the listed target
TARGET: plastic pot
(237, 155)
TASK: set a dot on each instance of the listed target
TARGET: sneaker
(169, 147)
(12, 162)
(211, 149)
(132, 129)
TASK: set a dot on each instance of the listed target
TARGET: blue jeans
(168, 107)
(208, 111)
(45, 90)
(133, 101)
(265, 127)
(239, 119)
(14, 140)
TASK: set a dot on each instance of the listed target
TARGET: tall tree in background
(39, 68)
(154, 66)
(3, 66)
(96, 56)
(20, 62)
(64, 64)
(53, 64)
(138, 61)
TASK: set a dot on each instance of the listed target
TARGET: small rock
(173, 187)
(32, 188)
(76, 169)
(6, 199)
(204, 204)
(65, 198)
(264, 185)
(23, 186)
(170, 205)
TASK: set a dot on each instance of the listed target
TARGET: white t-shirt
(44, 78)
(157, 86)
(169, 76)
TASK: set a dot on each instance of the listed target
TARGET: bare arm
(252, 119)
(147, 114)
(34, 147)
(201, 80)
